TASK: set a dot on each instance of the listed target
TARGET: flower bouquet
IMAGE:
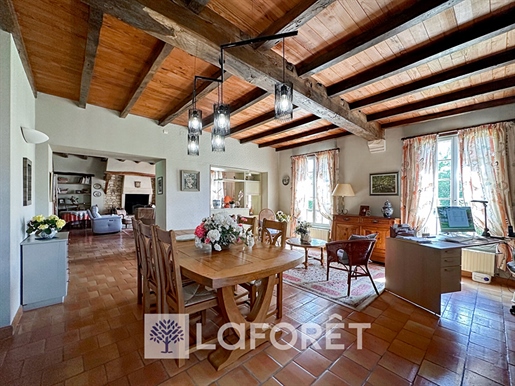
(220, 230)
(282, 217)
(45, 227)
(302, 229)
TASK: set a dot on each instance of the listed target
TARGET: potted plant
(45, 227)
(302, 229)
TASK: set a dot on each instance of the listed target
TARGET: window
(309, 210)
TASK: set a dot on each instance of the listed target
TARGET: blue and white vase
(387, 209)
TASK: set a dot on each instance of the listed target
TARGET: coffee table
(314, 243)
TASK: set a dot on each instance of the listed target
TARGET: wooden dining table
(223, 270)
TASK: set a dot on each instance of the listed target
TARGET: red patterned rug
(314, 280)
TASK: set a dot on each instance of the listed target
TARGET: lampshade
(193, 144)
(195, 121)
(343, 190)
(222, 119)
(33, 136)
(284, 101)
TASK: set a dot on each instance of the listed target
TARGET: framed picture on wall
(27, 182)
(159, 185)
(384, 184)
(190, 180)
(363, 210)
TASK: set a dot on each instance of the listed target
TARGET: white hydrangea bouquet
(45, 226)
(220, 230)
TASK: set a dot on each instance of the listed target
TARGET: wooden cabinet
(346, 225)
(44, 265)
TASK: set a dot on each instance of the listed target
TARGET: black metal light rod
(200, 77)
(259, 39)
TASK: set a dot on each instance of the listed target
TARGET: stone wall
(113, 197)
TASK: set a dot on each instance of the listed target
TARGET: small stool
(127, 220)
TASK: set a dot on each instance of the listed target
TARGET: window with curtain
(313, 180)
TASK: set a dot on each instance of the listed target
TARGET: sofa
(103, 224)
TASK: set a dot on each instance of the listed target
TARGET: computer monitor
(455, 219)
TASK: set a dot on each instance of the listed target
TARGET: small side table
(314, 243)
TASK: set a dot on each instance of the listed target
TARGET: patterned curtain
(327, 163)
(485, 175)
(417, 180)
(299, 171)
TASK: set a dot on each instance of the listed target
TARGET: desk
(314, 243)
(227, 268)
(420, 273)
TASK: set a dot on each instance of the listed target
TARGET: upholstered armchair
(102, 224)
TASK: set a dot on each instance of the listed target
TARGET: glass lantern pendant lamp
(222, 119)
(284, 97)
(217, 142)
(193, 144)
(195, 121)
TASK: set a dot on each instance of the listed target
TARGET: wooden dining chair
(177, 298)
(272, 232)
(135, 231)
(248, 221)
(264, 214)
(150, 277)
(351, 256)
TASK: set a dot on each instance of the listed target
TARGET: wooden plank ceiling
(358, 66)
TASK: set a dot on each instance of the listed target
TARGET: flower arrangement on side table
(302, 229)
(220, 230)
(45, 227)
(282, 217)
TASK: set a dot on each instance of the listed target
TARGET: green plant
(41, 223)
(283, 217)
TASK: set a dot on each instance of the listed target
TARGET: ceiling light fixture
(222, 111)
(33, 135)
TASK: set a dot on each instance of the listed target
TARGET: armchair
(102, 224)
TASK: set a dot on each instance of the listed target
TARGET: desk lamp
(343, 190)
(486, 232)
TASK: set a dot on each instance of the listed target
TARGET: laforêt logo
(166, 335)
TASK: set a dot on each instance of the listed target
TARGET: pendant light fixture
(284, 97)
(217, 142)
(194, 114)
(193, 144)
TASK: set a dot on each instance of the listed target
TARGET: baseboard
(8, 331)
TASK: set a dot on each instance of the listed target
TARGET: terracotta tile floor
(96, 336)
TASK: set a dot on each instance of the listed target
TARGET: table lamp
(343, 190)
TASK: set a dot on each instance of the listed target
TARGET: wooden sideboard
(346, 225)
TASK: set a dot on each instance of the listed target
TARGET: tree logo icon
(166, 336)
(166, 331)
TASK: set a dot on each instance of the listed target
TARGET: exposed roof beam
(94, 25)
(444, 77)
(203, 90)
(476, 32)
(375, 34)
(202, 37)
(9, 23)
(448, 113)
(309, 142)
(468, 92)
(299, 15)
(196, 5)
(299, 123)
(255, 122)
(240, 104)
(160, 53)
(304, 134)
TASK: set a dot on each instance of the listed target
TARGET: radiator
(319, 233)
(473, 260)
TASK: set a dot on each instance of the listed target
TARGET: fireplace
(135, 199)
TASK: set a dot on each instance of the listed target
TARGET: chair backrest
(271, 231)
(148, 263)
(266, 213)
(121, 212)
(135, 232)
(165, 252)
(149, 213)
(358, 251)
(249, 221)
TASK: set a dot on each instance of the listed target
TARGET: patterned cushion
(342, 255)
(372, 236)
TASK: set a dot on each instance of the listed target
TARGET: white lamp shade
(343, 190)
(33, 136)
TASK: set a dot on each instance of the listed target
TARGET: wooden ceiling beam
(374, 34)
(309, 142)
(467, 92)
(202, 35)
(476, 32)
(203, 90)
(448, 113)
(196, 5)
(293, 137)
(299, 123)
(444, 77)
(299, 15)
(240, 104)
(9, 23)
(94, 25)
(255, 122)
(158, 56)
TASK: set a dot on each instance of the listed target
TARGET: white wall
(96, 130)
(17, 108)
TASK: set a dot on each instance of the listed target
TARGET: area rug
(314, 280)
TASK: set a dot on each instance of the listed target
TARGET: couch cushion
(94, 211)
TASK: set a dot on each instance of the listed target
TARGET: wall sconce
(343, 190)
(137, 184)
(33, 136)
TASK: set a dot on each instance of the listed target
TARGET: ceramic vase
(387, 209)
(44, 235)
